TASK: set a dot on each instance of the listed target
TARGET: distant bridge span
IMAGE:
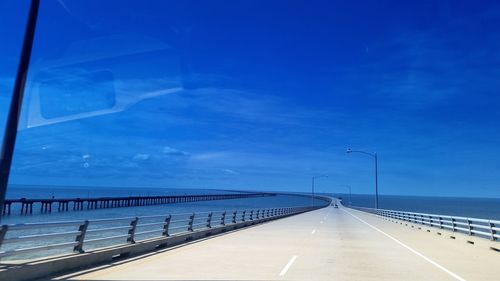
(77, 204)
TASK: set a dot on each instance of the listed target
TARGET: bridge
(307, 244)
(63, 204)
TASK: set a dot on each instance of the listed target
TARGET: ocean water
(485, 208)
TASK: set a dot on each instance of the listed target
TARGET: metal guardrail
(77, 236)
(471, 226)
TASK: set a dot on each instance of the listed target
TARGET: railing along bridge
(31, 240)
(484, 228)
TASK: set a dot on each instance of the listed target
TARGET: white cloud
(231, 172)
(209, 156)
(173, 152)
(141, 157)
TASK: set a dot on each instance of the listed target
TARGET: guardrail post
(258, 213)
(492, 231)
(430, 220)
(190, 223)
(3, 231)
(243, 216)
(131, 231)
(209, 220)
(223, 218)
(441, 222)
(251, 215)
(234, 216)
(166, 225)
(267, 215)
(453, 224)
(470, 227)
(81, 237)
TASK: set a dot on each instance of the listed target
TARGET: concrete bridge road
(327, 244)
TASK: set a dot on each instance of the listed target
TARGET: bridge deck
(328, 244)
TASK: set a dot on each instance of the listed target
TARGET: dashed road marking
(288, 265)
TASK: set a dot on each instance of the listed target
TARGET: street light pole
(312, 187)
(374, 155)
(376, 180)
(312, 193)
(350, 195)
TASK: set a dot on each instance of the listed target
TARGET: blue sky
(259, 95)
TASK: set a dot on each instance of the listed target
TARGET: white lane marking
(454, 275)
(288, 265)
(314, 231)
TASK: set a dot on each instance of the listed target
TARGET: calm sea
(486, 208)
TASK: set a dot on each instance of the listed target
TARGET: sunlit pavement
(327, 244)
